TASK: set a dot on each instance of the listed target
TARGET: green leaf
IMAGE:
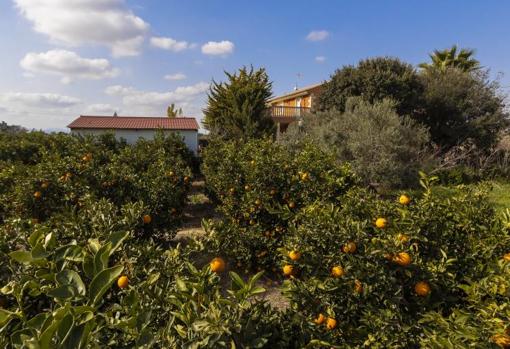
(5, 316)
(71, 278)
(116, 239)
(34, 237)
(101, 258)
(102, 282)
(21, 256)
(88, 266)
(65, 327)
(61, 292)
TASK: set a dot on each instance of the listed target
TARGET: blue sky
(62, 58)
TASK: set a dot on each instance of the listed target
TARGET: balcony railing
(290, 112)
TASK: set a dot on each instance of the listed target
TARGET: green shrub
(449, 243)
(382, 147)
(260, 186)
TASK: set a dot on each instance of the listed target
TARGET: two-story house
(289, 107)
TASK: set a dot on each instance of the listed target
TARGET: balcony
(282, 114)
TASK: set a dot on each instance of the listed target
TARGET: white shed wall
(190, 137)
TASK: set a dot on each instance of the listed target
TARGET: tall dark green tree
(374, 79)
(237, 108)
(172, 111)
(461, 106)
(452, 58)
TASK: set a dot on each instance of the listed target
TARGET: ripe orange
(253, 162)
(381, 223)
(147, 219)
(294, 255)
(502, 340)
(350, 247)
(45, 184)
(292, 204)
(217, 265)
(258, 202)
(403, 259)
(87, 157)
(305, 176)
(319, 320)
(123, 281)
(404, 199)
(232, 190)
(37, 195)
(186, 179)
(331, 323)
(422, 288)
(337, 271)
(288, 270)
(506, 257)
(247, 187)
(358, 286)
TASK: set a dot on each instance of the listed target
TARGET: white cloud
(83, 22)
(68, 65)
(320, 59)
(190, 98)
(175, 77)
(14, 100)
(221, 48)
(100, 108)
(119, 90)
(317, 35)
(170, 44)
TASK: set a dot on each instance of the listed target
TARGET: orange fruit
(217, 265)
(506, 257)
(422, 288)
(358, 286)
(232, 190)
(319, 320)
(45, 184)
(294, 255)
(258, 202)
(305, 176)
(37, 195)
(288, 270)
(123, 281)
(404, 199)
(247, 187)
(292, 204)
(349, 247)
(502, 340)
(381, 223)
(330, 323)
(403, 259)
(337, 271)
(252, 162)
(186, 179)
(147, 219)
(170, 173)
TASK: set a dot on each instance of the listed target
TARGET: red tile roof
(133, 122)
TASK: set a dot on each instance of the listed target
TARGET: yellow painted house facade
(289, 107)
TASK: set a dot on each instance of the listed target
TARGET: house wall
(190, 137)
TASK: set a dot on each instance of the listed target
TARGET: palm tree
(449, 58)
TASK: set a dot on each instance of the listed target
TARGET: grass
(498, 195)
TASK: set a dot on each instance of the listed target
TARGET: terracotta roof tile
(133, 122)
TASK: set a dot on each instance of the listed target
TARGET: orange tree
(260, 186)
(157, 173)
(378, 278)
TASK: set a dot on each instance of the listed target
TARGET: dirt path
(199, 207)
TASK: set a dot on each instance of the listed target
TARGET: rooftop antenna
(299, 76)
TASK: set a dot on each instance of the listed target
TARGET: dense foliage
(237, 109)
(382, 147)
(260, 186)
(88, 269)
(374, 79)
(463, 106)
